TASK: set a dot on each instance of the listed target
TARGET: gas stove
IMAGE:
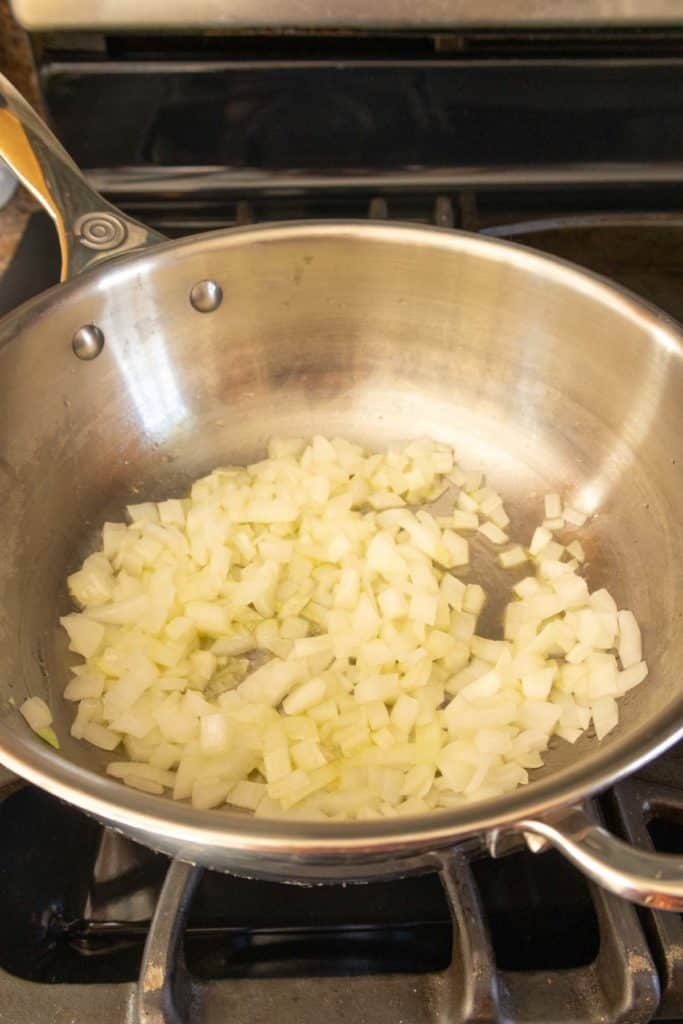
(95, 927)
(566, 139)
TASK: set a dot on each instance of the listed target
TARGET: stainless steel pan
(158, 360)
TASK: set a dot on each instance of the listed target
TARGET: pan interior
(544, 377)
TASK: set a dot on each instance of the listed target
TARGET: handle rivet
(87, 342)
(206, 296)
(100, 231)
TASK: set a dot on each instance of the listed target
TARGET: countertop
(13, 220)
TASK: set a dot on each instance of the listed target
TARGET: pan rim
(223, 831)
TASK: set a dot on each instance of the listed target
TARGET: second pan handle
(651, 879)
(90, 230)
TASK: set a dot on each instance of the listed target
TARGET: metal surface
(87, 342)
(101, 231)
(639, 803)
(422, 118)
(89, 229)
(611, 862)
(205, 14)
(620, 985)
(615, 985)
(206, 296)
(208, 180)
(547, 377)
(164, 988)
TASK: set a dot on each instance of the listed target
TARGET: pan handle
(90, 229)
(651, 879)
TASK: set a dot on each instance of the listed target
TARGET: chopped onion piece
(493, 533)
(294, 637)
(474, 598)
(304, 697)
(85, 636)
(553, 506)
(576, 550)
(541, 537)
(605, 716)
(144, 785)
(573, 516)
(516, 555)
(553, 524)
(37, 713)
(630, 645)
(631, 677)
(462, 520)
(101, 737)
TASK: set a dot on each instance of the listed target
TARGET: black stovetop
(76, 900)
(75, 905)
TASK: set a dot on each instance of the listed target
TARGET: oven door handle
(90, 230)
(651, 879)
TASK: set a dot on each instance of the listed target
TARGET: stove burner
(479, 942)
(523, 939)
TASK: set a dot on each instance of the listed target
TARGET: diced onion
(493, 533)
(630, 646)
(514, 556)
(553, 506)
(37, 713)
(293, 638)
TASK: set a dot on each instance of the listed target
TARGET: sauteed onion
(299, 637)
